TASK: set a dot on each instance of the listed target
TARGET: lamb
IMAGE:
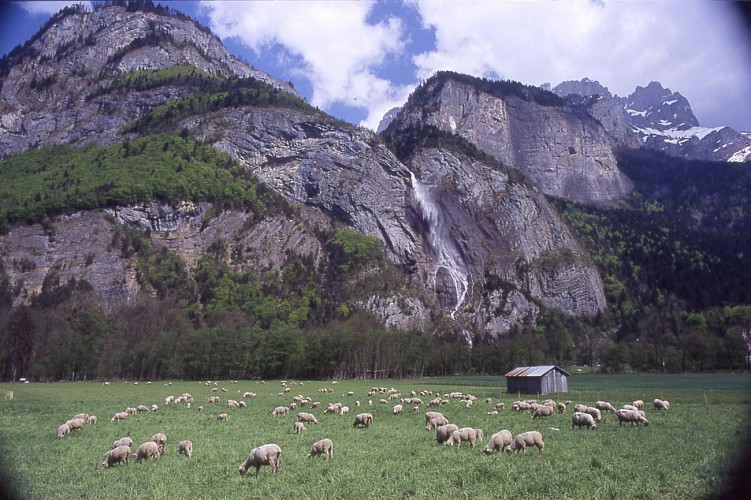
(147, 450)
(363, 420)
(63, 430)
(543, 411)
(398, 410)
(186, 448)
(298, 427)
(124, 441)
(594, 412)
(160, 439)
(436, 422)
(631, 416)
(279, 410)
(323, 447)
(561, 407)
(91, 420)
(579, 419)
(268, 454)
(661, 404)
(604, 406)
(117, 455)
(463, 434)
(521, 441)
(307, 418)
(344, 410)
(444, 432)
(498, 441)
(222, 417)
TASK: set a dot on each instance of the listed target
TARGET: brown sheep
(268, 454)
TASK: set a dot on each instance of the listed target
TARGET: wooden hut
(544, 379)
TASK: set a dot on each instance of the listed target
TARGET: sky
(356, 59)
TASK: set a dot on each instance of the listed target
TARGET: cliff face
(564, 150)
(476, 246)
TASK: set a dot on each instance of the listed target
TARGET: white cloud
(340, 49)
(696, 48)
(47, 8)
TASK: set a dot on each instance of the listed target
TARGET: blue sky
(357, 59)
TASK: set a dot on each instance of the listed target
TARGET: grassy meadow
(686, 452)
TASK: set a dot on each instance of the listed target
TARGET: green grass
(684, 453)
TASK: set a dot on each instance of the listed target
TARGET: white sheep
(521, 441)
(498, 441)
(307, 418)
(186, 448)
(76, 423)
(579, 419)
(500, 406)
(639, 404)
(161, 440)
(124, 441)
(661, 404)
(397, 410)
(63, 430)
(154, 407)
(561, 407)
(142, 408)
(91, 420)
(543, 411)
(268, 454)
(596, 414)
(222, 417)
(464, 434)
(444, 432)
(119, 416)
(121, 454)
(82, 416)
(436, 422)
(429, 415)
(147, 450)
(363, 420)
(323, 447)
(635, 417)
(604, 406)
(344, 410)
(298, 427)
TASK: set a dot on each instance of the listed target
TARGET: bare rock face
(565, 151)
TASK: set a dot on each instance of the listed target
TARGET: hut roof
(534, 371)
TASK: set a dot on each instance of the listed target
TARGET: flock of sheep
(445, 432)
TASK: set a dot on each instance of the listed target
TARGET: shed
(543, 379)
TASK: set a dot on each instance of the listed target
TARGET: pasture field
(687, 452)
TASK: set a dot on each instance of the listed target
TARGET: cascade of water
(447, 256)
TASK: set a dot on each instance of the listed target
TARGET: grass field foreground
(686, 452)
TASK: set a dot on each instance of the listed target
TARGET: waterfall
(439, 237)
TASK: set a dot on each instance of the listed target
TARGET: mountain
(663, 121)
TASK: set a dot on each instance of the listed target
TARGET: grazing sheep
(154, 407)
(186, 448)
(147, 450)
(444, 432)
(222, 417)
(580, 408)
(298, 427)
(594, 412)
(543, 411)
(521, 441)
(119, 416)
(200, 407)
(307, 418)
(363, 420)
(629, 407)
(498, 441)
(521, 406)
(280, 410)
(661, 404)
(91, 420)
(500, 406)
(430, 415)
(268, 454)
(117, 455)
(561, 407)
(63, 430)
(231, 403)
(323, 447)
(124, 441)
(160, 439)
(344, 410)
(398, 410)
(142, 408)
(579, 419)
(76, 423)
(436, 422)
(639, 404)
(463, 434)
(635, 417)
(604, 406)
(82, 416)
(480, 434)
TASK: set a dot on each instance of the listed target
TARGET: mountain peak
(659, 108)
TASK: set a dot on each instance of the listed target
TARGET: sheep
(63, 430)
(363, 420)
(298, 427)
(444, 432)
(604, 406)
(397, 410)
(639, 404)
(578, 419)
(280, 410)
(117, 455)
(543, 411)
(480, 434)
(231, 403)
(268, 454)
(561, 407)
(464, 434)
(498, 441)
(661, 404)
(344, 410)
(307, 418)
(119, 416)
(160, 439)
(91, 420)
(154, 407)
(222, 417)
(147, 450)
(521, 441)
(631, 416)
(82, 416)
(186, 448)
(594, 412)
(131, 411)
(124, 441)
(500, 406)
(629, 407)
(521, 406)
(580, 408)
(200, 407)
(436, 422)
(142, 408)
(323, 447)
(430, 415)
(76, 423)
